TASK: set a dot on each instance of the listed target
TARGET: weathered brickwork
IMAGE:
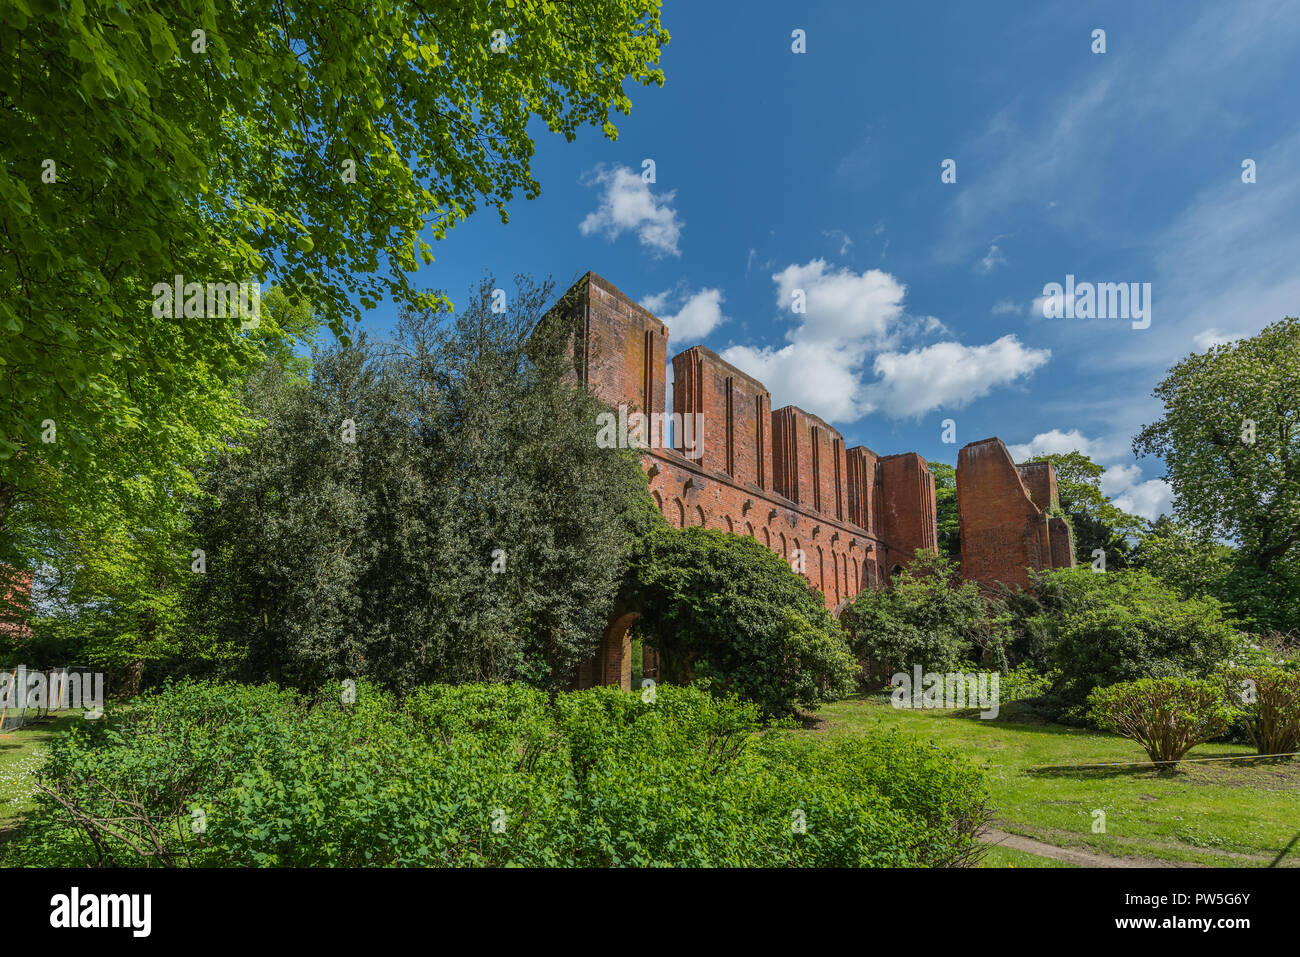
(1005, 528)
(781, 476)
(15, 602)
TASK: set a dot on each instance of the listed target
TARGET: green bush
(489, 775)
(928, 618)
(1270, 703)
(1167, 716)
(722, 607)
(1119, 626)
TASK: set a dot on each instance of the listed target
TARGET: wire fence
(1150, 763)
(29, 695)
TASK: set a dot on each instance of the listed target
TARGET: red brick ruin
(785, 478)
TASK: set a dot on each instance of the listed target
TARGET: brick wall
(1004, 532)
(784, 476)
(737, 413)
(15, 602)
(1039, 479)
(908, 514)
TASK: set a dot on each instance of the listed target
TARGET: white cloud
(840, 304)
(1148, 499)
(1207, 340)
(1005, 307)
(698, 315)
(843, 359)
(992, 259)
(1057, 442)
(1122, 482)
(629, 205)
(948, 375)
(820, 377)
(1117, 478)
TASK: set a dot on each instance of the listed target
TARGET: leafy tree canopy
(946, 513)
(312, 145)
(1095, 520)
(928, 617)
(1230, 440)
(433, 509)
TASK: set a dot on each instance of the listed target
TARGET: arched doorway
(612, 664)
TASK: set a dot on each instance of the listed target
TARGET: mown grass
(1226, 813)
(1010, 857)
(20, 755)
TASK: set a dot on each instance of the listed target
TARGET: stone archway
(612, 664)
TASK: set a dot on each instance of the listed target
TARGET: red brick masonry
(785, 478)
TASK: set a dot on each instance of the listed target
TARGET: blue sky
(821, 171)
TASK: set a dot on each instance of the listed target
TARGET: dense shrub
(1017, 684)
(434, 509)
(1167, 716)
(1270, 703)
(1119, 626)
(493, 775)
(928, 618)
(722, 607)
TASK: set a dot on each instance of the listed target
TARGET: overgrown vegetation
(723, 609)
(929, 617)
(488, 775)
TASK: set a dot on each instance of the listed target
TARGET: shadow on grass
(1163, 771)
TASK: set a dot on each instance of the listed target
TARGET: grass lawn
(1220, 813)
(1010, 857)
(20, 753)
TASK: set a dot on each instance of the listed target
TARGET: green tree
(432, 509)
(1230, 441)
(1192, 564)
(929, 617)
(114, 566)
(947, 515)
(320, 147)
(721, 606)
(1124, 625)
(1095, 520)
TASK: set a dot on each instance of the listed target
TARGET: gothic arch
(730, 525)
(767, 538)
(699, 513)
(681, 513)
(612, 664)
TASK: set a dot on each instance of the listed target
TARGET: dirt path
(1070, 855)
